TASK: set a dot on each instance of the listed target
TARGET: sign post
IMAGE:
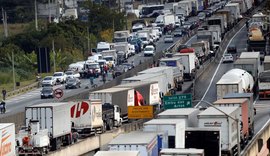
(177, 101)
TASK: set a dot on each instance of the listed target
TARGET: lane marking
(212, 79)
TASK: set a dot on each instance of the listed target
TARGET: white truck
(188, 61)
(161, 78)
(123, 47)
(216, 32)
(146, 143)
(111, 96)
(184, 151)
(234, 81)
(7, 139)
(174, 74)
(104, 46)
(165, 20)
(144, 36)
(175, 129)
(118, 153)
(202, 50)
(235, 11)
(211, 117)
(91, 116)
(188, 114)
(47, 127)
(205, 35)
(181, 11)
(121, 36)
(148, 89)
(252, 56)
(110, 56)
(217, 20)
(187, 4)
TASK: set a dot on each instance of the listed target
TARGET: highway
(18, 103)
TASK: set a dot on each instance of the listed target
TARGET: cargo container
(217, 20)
(216, 32)
(202, 50)
(249, 65)
(266, 63)
(175, 129)
(174, 75)
(252, 56)
(117, 153)
(188, 114)
(146, 143)
(161, 78)
(50, 124)
(8, 139)
(234, 81)
(187, 4)
(111, 96)
(188, 61)
(243, 104)
(182, 152)
(211, 117)
(235, 11)
(148, 89)
(207, 139)
(227, 15)
(264, 85)
(251, 109)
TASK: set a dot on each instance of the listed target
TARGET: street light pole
(236, 120)
(13, 71)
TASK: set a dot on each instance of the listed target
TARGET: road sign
(140, 112)
(177, 101)
(58, 93)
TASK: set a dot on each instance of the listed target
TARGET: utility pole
(49, 11)
(13, 71)
(53, 56)
(36, 22)
(4, 18)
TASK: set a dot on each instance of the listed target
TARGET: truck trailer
(188, 61)
(188, 114)
(213, 118)
(208, 139)
(175, 129)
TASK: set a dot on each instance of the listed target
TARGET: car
(177, 33)
(46, 92)
(119, 70)
(202, 16)
(73, 83)
(48, 81)
(227, 58)
(232, 49)
(168, 39)
(149, 50)
(60, 76)
(72, 74)
(129, 66)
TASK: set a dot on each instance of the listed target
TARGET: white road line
(218, 67)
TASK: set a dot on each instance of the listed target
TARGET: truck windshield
(108, 58)
(119, 40)
(102, 49)
(143, 38)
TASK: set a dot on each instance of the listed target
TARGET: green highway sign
(177, 101)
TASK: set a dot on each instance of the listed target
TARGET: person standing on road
(104, 77)
(3, 106)
(4, 93)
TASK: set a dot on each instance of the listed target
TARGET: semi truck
(217, 20)
(244, 110)
(264, 85)
(202, 50)
(174, 75)
(123, 47)
(91, 116)
(216, 32)
(251, 108)
(208, 139)
(205, 35)
(213, 118)
(111, 96)
(163, 82)
(175, 129)
(234, 81)
(47, 127)
(256, 40)
(188, 114)
(227, 16)
(8, 139)
(110, 56)
(188, 61)
(145, 143)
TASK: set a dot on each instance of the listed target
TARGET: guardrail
(22, 90)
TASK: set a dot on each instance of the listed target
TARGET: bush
(5, 77)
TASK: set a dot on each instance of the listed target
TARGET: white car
(72, 74)
(132, 49)
(60, 76)
(227, 58)
(48, 81)
(168, 39)
(149, 50)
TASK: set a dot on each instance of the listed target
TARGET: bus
(151, 11)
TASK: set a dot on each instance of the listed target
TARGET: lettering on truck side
(5, 147)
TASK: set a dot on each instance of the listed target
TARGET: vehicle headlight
(74, 84)
(42, 94)
(51, 93)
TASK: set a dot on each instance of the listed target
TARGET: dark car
(73, 83)
(232, 49)
(129, 66)
(46, 92)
